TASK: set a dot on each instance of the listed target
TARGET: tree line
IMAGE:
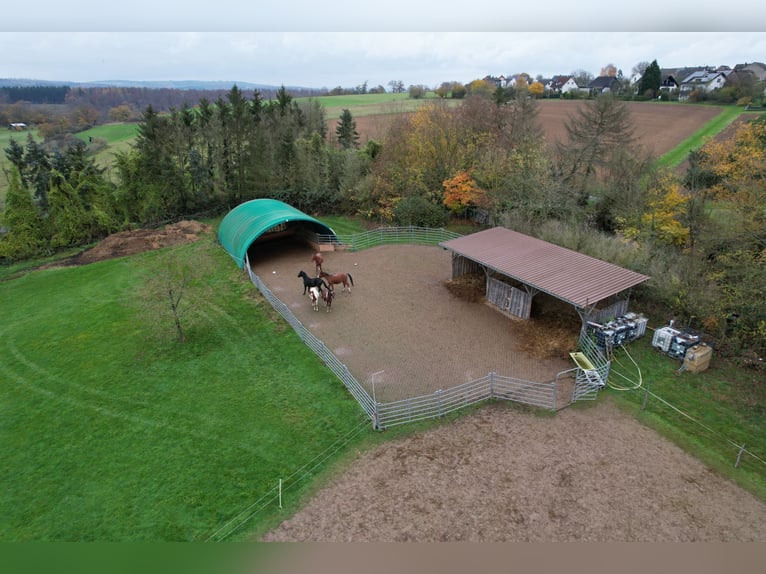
(700, 235)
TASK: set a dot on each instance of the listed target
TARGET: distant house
(604, 85)
(668, 82)
(498, 81)
(561, 85)
(18, 126)
(701, 81)
(756, 68)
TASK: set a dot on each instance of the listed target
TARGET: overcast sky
(341, 43)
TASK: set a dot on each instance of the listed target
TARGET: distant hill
(171, 84)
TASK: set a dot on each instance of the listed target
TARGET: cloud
(328, 59)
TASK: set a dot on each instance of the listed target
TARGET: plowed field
(659, 126)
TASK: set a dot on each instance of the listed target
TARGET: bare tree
(598, 129)
(639, 68)
(582, 77)
(174, 289)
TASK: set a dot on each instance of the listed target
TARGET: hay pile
(469, 288)
(551, 332)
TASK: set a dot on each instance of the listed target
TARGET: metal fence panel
(443, 402)
(387, 236)
(315, 344)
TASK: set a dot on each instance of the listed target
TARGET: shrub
(417, 210)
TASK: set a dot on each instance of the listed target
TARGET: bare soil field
(659, 126)
(501, 475)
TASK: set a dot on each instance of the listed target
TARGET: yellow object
(582, 361)
(697, 358)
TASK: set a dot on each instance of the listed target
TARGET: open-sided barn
(591, 285)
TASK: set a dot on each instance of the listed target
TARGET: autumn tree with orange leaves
(461, 192)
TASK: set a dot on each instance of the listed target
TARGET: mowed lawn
(109, 431)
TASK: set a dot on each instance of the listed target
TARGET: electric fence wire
(707, 428)
(245, 515)
(638, 384)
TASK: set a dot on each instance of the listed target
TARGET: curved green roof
(248, 221)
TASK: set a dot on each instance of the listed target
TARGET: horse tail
(350, 278)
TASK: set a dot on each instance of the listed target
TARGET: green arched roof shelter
(244, 224)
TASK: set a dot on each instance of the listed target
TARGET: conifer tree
(346, 130)
(21, 217)
(651, 80)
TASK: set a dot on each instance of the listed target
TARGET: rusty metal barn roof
(574, 277)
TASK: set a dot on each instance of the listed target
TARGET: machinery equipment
(619, 331)
(673, 342)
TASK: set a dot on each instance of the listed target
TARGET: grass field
(363, 105)
(715, 126)
(709, 414)
(108, 432)
(118, 137)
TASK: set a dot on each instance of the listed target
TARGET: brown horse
(337, 278)
(328, 296)
(317, 259)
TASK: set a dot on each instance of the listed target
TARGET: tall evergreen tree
(37, 170)
(650, 80)
(346, 130)
(24, 237)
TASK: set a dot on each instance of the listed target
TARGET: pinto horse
(309, 282)
(317, 259)
(328, 296)
(337, 278)
(314, 296)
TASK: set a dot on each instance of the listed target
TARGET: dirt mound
(140, 240)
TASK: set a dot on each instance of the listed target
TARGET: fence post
(439, 403)
(492, 384)
(739, 456)
(646, 395)
(376, 417)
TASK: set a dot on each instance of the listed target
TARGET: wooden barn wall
(508, 299)
(616, 309)
(463, 266)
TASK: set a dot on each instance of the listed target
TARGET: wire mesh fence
(328, 357)
(387, 236)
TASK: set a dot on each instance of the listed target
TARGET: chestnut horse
(337, 278)
(328, 296)
(317, 260)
